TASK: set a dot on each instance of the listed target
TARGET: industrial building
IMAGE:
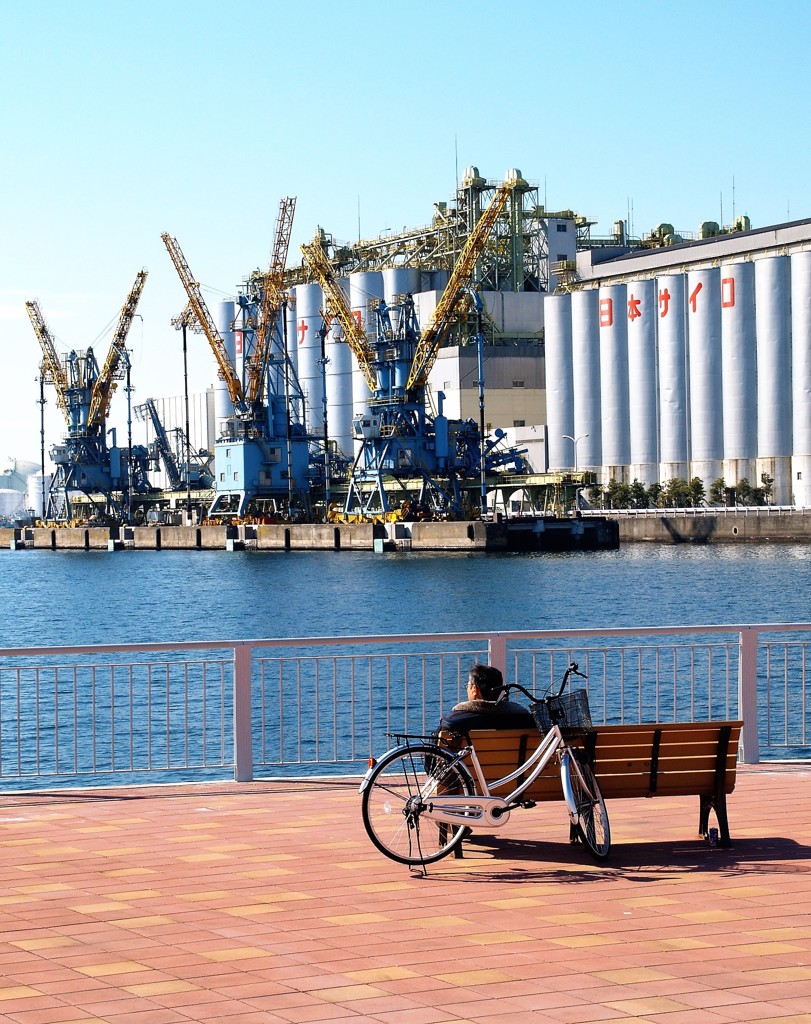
(687, 360)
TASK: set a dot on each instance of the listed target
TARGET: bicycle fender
(566, 784)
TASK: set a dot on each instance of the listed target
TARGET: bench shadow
(642, 862)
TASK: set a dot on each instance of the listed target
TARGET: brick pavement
(267, 903)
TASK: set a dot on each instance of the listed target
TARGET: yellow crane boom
(200, 310)
(53, 372)
(272, 300)
(112, 371)
(337, 307)
(434, 333)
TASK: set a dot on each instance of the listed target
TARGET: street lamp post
(575, 440)
(183, 326)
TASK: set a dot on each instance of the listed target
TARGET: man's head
(486, 681)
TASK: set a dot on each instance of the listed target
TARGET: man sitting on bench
(487, 706)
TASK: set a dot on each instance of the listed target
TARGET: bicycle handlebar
(572, 670)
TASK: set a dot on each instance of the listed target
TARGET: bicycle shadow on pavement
(497, 858)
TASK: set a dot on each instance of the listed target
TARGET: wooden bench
(651, 760)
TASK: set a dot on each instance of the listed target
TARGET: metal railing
(254, 708)
(701, 511)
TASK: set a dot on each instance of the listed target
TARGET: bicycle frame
(483, 807)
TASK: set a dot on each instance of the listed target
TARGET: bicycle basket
(570, 712)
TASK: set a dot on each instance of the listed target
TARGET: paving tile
(233, 921)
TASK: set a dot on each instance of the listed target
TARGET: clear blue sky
(121, 120)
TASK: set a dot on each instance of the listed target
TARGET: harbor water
(54, 598)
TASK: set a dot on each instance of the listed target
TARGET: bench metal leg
(457, 850)
(719, 805)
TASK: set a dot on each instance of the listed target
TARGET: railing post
(747, 696)
(243, 739)
(497, 654)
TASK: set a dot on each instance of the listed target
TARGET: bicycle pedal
(528, 804)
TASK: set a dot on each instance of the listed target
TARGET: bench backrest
(653, 759)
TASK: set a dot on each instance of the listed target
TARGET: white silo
(586, 378)
(614, 394)
(559, 381)
(739, 372)
(672, 350)
(641, 313)
(400, 281)
(309, 301)
(223, 405)
(16, 473)
(773, 323)
(704, 356)
(340, 370)
(363, 287)
(292, 329)
(38, 486)
(801, 377)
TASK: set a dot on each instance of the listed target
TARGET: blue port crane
(261, 455)
(405, 448)
(108, 476)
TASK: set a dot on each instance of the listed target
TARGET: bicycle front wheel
(394, 802)
(587, 806)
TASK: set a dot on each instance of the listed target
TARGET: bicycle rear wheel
(587, 806)
(394, 803)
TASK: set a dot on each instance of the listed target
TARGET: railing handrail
(697, 511)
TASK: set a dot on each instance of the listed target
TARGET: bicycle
(420, 799)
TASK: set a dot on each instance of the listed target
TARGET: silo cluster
(704, 374)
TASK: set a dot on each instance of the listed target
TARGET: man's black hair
(488, 679)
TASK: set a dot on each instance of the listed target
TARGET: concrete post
(243, 740)
(747, 695)
(497, 654)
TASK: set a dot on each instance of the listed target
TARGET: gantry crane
(273, 299)
(400, 441)
(255, 461)
(53, 372)
(182, 465)
(108, 476)
(227, 371)
(114, 368)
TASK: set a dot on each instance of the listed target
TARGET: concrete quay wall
(474, 536)
(453, 536)
(721, 528)
(666, 528)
